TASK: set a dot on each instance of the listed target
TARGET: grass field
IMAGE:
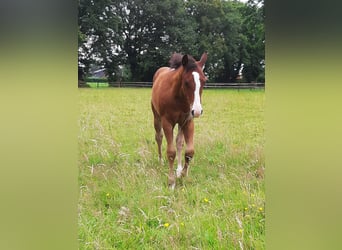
(124, 201)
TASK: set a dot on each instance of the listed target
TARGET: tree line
(131, 39)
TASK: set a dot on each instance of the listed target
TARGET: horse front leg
(188, 131)
(179, 144)
(170, 152)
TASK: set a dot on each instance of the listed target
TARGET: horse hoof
(172, 186)
(171, 182)
(184, 172)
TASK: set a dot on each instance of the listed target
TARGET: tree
(218, 33)
(98, 36)
(132, 38)
(152, 30)
(254, 32)
(235, 52)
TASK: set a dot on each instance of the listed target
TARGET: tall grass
(124, 201)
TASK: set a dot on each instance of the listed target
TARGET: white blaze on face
(197, 106)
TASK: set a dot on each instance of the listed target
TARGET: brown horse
(176, 99)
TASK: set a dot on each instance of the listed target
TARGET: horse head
(193, 80)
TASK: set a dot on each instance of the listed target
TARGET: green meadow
(124, 200)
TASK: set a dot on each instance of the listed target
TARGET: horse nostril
(193, 112)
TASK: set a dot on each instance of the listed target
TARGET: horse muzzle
(196, 113)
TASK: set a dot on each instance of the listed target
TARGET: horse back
(160, 80)
(159, 72)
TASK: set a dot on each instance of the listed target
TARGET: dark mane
(176, 61)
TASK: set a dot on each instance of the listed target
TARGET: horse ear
(185, 60)
(203, 59)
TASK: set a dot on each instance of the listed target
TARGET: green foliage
(152, 30)
(218, 33)
(98, 23)
(141, 35)
(124, 201)
(254, 31)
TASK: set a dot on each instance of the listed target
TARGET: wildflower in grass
(246, 208)
(205, 200)
(166, 225)
(107, 195)
(260, 209)
(182, 224)
(240, 231)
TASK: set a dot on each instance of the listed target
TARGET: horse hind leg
(159, 132)
(159, 140)
(179, 144)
